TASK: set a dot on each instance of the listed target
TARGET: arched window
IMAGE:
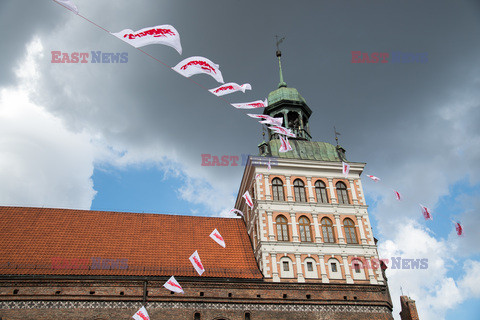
(282, 228)
(299, 188)
(334, 269)
(342, 193)
(305, 234)
(310, 268)
(286, 267)
(350, 234)
(357, 270)
(321, 191)
(277, 188)
(327, 230)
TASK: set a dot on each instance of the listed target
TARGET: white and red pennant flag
(251, 105)
(141, 314)
(376, 179)
(426, 213)
(283, 130)
(258, 175)
(237, 211)
(164, 34)
(398, 196)
(267, 119)
(68, 4)
(217, 237)
(269, 166)
(197, 263)
(458, 228)
(345, 169)
(230, 87)
(173, 285)
(195, 65)
(248, 199)
(284, 145)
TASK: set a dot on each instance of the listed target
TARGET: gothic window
(327, 230)
(305, 234)
(342, 193)
(299, 188)
(321, 191)
(350, 234)
(282, 228)
(277, 188)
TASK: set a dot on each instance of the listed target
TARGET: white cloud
(42, 163)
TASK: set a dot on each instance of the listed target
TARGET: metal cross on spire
(336, 134)
(279, 54)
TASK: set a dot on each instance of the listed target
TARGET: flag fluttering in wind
(251, 105)
(197, 263)
(164, 34)
(283, 130)
(426, 213)
(141, 314)
(68, 4)
(398, 196)
(237, 211)
(258, 175)
(248, 199)
(345, 169)
(267, 119)
(269, 166)
(217, 237)
(173, 285)
(195, 65)
(376, 179)
(458, 228)
(230, 87)
(284, 145)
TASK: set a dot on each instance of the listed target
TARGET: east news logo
(96, 57)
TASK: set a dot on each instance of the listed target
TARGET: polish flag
(141, 314)
(251, 105)
(267, 119)
(197, 263)
(68, 4)
(258, 175)
(173, 285)
(282, 130)
(230, 87)
(284, 145)
(164, 34)
(217, 237)
(345, 169)
(376, 179)
(195, 65)
(458, 228)
(237, 211)
(398, 196)
(248, 199)
(426, 213)
(269, 166)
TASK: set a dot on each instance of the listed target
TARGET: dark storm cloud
(388, 114)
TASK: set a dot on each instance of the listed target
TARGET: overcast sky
(129, 137)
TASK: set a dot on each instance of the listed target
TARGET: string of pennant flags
(169, 36)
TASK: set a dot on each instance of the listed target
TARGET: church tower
(309, 222)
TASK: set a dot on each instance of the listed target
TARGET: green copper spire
(279, 54)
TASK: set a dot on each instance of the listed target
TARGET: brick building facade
(304, 250)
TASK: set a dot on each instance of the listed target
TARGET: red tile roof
(152, 244)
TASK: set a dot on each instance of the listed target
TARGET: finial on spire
(279, 54)
(336, 134)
